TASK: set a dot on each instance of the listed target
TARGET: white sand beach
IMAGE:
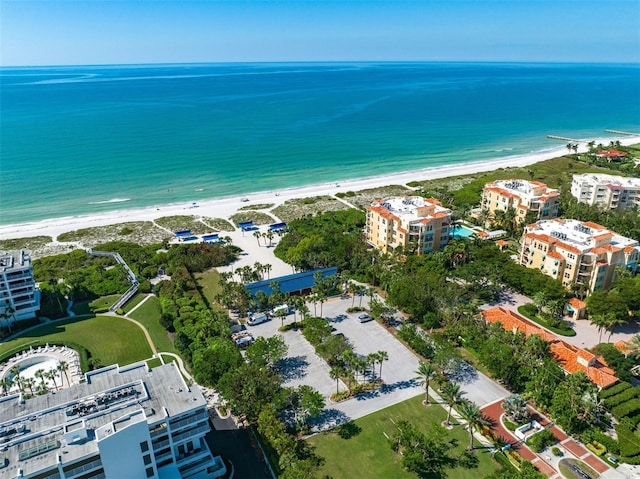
(225, 207)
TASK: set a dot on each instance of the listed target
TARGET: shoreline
(226, 206)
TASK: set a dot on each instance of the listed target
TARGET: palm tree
(6, 384)
(452, 395)
(257, 235)
(40, 375)
(601, 321)
(470, 412)
(63, 367)
(270, 236)
(614, 320)
(336, 373)
(29, 383)
(426, 373)
(372, 359)
(382, 356)
(634, 346)
(52, 374)
(540, 300)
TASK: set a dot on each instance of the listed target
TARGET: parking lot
(303, 366)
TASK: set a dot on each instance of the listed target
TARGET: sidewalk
(546, 462)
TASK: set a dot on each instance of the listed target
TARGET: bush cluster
(541, 440)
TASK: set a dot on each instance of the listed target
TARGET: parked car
(257, 318)
(244, 342)
(364, 317)
(278, 309)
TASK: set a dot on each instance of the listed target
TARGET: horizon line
(523, 62)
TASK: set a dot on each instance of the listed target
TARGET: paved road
(476, 386)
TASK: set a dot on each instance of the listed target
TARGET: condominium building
(575, 252)
(606, 191)
(523, 196)
(19, 298)
(410, 221)
(122, 423)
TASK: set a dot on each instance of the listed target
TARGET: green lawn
(100, 305)
(133, 302)
(154, 363)
(209, 281)
(109, 339)
(149, 316)
(368, 449)
(536, 318)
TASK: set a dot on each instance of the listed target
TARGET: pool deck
(57, 353)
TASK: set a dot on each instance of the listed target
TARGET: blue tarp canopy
(214, 237)
(277, 226)
(245, 225)
(182, 233)
(291, 283)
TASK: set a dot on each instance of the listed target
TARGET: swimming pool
(460, 232)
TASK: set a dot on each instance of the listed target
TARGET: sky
(67, 32)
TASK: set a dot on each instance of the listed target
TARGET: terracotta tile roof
(577, 304)
(593, 225)
(611, 153)
(608, 234)
(622, 347)
(628, 249)
(514, 322)
(610, 247)
(568, 247)
(566, 354)
(556, 255)
(502, 243)
(538, 183)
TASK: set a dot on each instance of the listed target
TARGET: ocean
(88, 139)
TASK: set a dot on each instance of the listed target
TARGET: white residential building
(606, 191)
(19, 298)
(122, 423)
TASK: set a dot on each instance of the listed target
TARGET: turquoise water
(79, 140)
(461, 232)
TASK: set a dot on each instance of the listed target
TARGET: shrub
(511, 426)
(624, 396)
(607, 441)
(596, 448)
(615, 389)
(628, 442)
(556, 451)
(541, 440)
(626, 408)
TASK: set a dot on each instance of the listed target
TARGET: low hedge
(615, 389)
(597, 448)
(628, 442)
(624, 396)
(628, 408)
(607, 441)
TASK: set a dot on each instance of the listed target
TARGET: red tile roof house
(571, 358)
(611, 155)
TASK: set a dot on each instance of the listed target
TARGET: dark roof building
(292, 283)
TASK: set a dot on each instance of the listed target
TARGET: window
(144, 446)
(150, 472)
(567, 275)
(147, 459)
